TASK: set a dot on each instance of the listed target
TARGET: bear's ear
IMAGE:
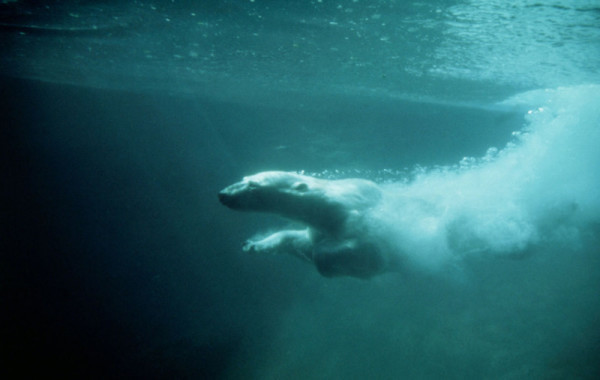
(300, 186)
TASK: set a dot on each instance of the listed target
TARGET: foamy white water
(544, 186)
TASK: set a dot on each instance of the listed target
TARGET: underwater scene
(316, 189)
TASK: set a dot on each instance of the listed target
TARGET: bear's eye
(253, 185)
(300, 186)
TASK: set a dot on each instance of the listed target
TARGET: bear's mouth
(227, 199)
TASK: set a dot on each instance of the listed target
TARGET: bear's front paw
(264, 246)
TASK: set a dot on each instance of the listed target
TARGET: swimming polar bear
(339, 239)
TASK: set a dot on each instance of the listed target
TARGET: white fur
(339, 240)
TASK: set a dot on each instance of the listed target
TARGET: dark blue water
(117, 259)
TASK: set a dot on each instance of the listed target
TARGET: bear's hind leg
(295, 242)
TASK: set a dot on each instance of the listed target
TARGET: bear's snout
(233, 200)
(225, 198)
(235, 196)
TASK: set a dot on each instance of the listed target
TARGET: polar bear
(339, 239)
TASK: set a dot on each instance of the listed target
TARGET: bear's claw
(248, 246)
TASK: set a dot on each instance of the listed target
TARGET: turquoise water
(122, 121)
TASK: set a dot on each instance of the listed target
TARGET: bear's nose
(228, 200)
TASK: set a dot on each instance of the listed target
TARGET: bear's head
(320, 203)
(272, 191)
